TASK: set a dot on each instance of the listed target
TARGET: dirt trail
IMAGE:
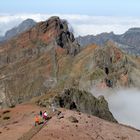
(21, 121)
(87, 128)
(35, 129)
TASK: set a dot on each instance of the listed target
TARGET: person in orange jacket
(36, 120)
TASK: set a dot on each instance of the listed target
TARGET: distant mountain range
(25, 25)
(129, 41)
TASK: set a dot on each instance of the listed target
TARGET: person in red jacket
(45, 115)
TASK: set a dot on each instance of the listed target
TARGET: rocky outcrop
(83, 101)
(57, 30)
(31, 60)
(114, 64)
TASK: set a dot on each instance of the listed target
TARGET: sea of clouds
(123, 103)
(82, 24)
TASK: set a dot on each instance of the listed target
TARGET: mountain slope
(88, 127)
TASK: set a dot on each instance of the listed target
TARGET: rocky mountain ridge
(47, 59)
(82, 101)
(129, 41)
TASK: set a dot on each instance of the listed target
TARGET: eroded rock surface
(83, 101)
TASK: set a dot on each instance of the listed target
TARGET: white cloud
(82, 24)
(124, 104)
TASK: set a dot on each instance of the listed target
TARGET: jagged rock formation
(83, 101)
(114, 64)
(24, 26)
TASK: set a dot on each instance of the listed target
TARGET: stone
(83, 101)
(60, 116)
(73, 119)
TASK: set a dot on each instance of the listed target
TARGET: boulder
(73, 119)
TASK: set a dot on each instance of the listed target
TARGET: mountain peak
(22, 27)
(52, 31)
(26, 24)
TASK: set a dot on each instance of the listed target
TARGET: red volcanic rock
(54, 31)
(32, 57)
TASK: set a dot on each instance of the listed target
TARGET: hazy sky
(88, 7)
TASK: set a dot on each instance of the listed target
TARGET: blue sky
(88, 7)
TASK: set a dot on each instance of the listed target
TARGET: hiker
(36, 120)
(40, 113)
(45, 115)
